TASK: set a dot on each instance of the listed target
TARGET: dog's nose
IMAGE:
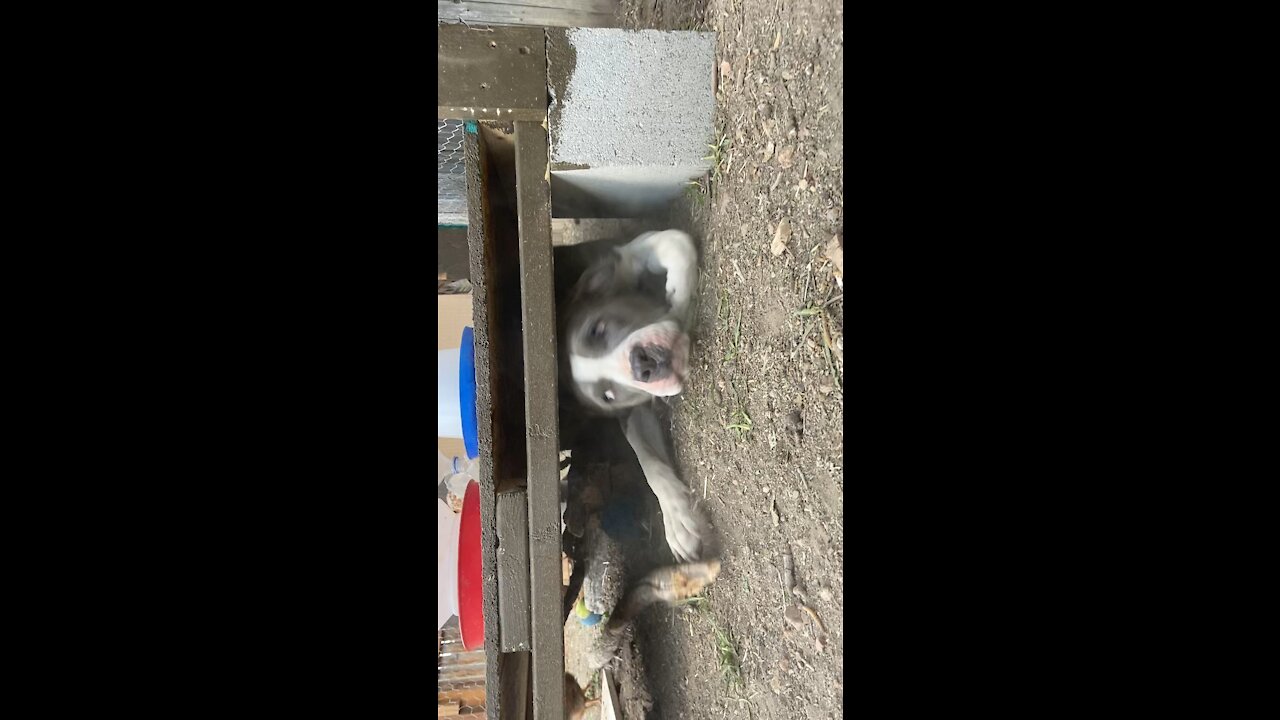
(650, 364)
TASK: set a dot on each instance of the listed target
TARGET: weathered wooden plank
(531, 17)
(537, 292)
(515, 690)
(536, 13)
(454, 112)
(476, 164)
(513, 570)
(610, 708)
(575, 231)
(600, 6)
(471, 696)
(502, 69)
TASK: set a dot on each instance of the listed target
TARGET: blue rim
(467, 392)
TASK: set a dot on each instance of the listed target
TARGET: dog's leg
(664, 585)
(672, 252)
(684, 525)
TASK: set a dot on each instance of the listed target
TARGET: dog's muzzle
(657, 358)
(650, 363)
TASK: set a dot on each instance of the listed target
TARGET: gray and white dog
(623, 325)
(622, 321)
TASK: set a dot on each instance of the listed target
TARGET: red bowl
(470, 589)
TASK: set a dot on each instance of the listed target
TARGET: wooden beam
(610, 708)
(537, 294)
(513, 570)
(500, 74)
(537, 13)
(472, 697)
(488, 113)
(478, 231)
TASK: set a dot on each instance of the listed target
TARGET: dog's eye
(608, 396)
(597, 328)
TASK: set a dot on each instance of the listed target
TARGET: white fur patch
(670, 251)
(588, 370)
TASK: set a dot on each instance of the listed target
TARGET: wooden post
(537, 291)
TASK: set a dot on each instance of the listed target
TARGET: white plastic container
(446, 562)
(456, 393)
(449, 411)
(455, 475)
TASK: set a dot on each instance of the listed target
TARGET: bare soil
(759, 429)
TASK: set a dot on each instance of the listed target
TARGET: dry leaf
(780, 237)
(725, 71)
(835, 253)
(768, 152)
(786, 156)
(777, 40)
(813, 614)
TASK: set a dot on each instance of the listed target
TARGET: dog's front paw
(674, 251)
(685, 528)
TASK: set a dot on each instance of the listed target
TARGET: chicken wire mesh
(451, 177)
(460, 679)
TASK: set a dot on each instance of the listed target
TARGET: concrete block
(631, 116)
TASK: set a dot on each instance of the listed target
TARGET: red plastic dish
(470, 590)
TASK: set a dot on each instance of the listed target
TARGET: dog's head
(623, 348)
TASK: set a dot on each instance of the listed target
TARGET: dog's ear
(598, 278)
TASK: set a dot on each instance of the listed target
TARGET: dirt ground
(759, 429)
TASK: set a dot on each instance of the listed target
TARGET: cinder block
(631, 117)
